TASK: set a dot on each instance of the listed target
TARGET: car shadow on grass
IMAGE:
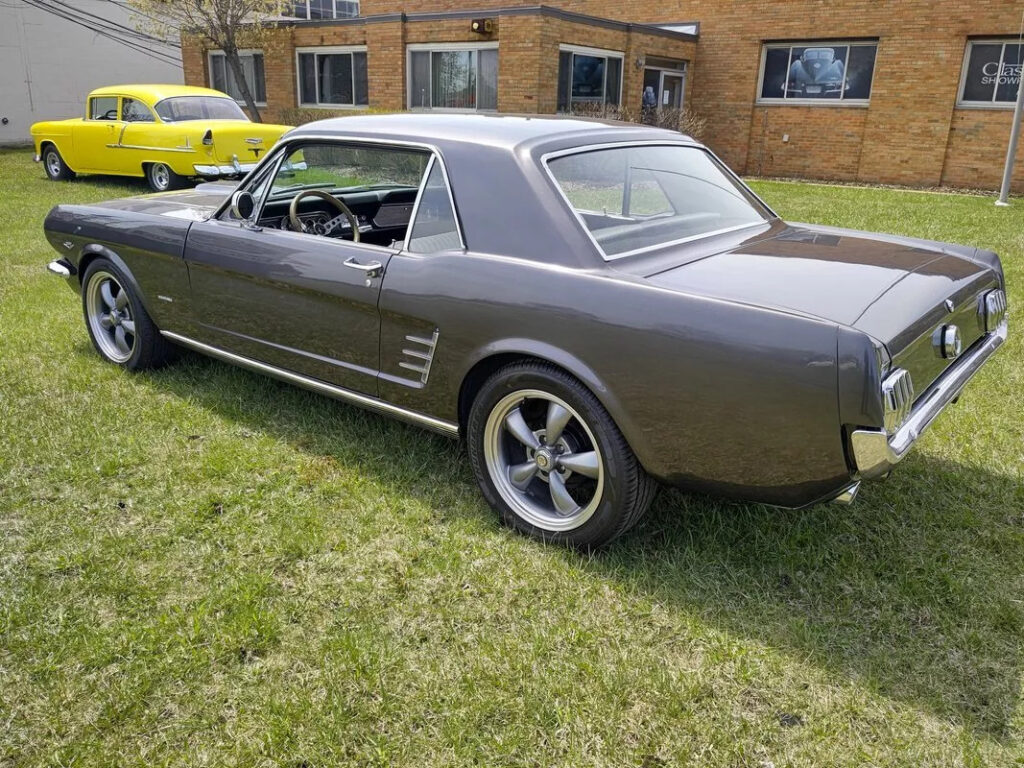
(912, 592)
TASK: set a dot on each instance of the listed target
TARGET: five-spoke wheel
(109, 314)
(543, 459)
(119, 326)
(550, 458)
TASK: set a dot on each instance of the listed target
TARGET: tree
(224, 23)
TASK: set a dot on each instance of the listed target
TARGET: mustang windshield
(643, 196)
(181, 108)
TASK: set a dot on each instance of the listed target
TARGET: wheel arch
(51, 142)
(94, 251)
(498, 355)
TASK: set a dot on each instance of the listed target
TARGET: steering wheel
(298, 226)
(110, 114)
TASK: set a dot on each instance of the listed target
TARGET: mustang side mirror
(242, 205)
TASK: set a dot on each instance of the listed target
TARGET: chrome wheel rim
(161, 176)
(53, 163)
(109, 313)
(543, 460)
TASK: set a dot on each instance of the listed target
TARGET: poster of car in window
(992, 73)
(819, 71)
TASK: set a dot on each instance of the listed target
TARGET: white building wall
(48, 64)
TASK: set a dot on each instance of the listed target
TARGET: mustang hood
(190, 204)
(877, 283)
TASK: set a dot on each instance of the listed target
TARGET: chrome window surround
(876, 451)
(280, 151)
(897, 397)
(755, 199)
(992, 309)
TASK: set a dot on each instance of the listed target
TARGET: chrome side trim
(149, 149)
(876, 451)
(365, 401)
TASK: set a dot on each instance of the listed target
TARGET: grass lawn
(201, 566)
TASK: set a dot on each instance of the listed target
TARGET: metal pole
(1011, 151)
(1018, 110)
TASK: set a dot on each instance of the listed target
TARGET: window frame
(769, 214)
(334, 9)
(842, 101)
(271, 163)
(410, 48)
(152, 115)
(329, 50)
(242, 52)
(605, 53)
(88, 108)
(960, 102)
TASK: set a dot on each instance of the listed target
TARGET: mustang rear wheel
(55, 166)
(161, 178)
(550, 459)
(118, 324)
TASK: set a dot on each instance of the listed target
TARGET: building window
(333, 77)
(322, 9)
(588, 77)
(454, 77)
(817, 73)
(991, 73)
(223, 79)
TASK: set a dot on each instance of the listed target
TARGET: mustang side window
(103, 108)
(435, 228)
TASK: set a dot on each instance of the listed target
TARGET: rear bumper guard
(219, 171)
(875, 451)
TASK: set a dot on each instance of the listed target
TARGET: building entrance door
(663, 89)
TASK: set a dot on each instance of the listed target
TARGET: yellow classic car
(165, 133)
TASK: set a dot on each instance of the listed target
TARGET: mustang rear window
(639, 197)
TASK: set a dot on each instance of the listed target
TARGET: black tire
(162, 179)
(619, 495)
(56, 168)
(122, 309)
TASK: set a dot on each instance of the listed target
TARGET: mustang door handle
(370, 270)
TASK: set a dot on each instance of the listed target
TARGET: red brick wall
(911, 133)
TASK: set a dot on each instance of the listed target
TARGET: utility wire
(106, 32)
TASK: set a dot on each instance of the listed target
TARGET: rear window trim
(769, 214)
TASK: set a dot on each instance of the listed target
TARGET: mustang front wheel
(550, 459)
(118, 324)
(161, 178)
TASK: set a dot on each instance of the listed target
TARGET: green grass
(200, 566)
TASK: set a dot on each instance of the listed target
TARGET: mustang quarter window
(641, 197)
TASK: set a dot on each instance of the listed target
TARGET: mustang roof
(503, 131)
(154, 93)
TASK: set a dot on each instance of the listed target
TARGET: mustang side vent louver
(422, 354)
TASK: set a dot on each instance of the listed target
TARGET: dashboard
(383, 215)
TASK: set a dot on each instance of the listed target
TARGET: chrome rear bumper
(875, 451)
(217, 171)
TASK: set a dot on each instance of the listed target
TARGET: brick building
(916, 92)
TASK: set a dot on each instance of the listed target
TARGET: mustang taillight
(992, 309)
(208, 137)
(898, 397)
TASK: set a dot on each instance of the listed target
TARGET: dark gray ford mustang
(593, 306)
